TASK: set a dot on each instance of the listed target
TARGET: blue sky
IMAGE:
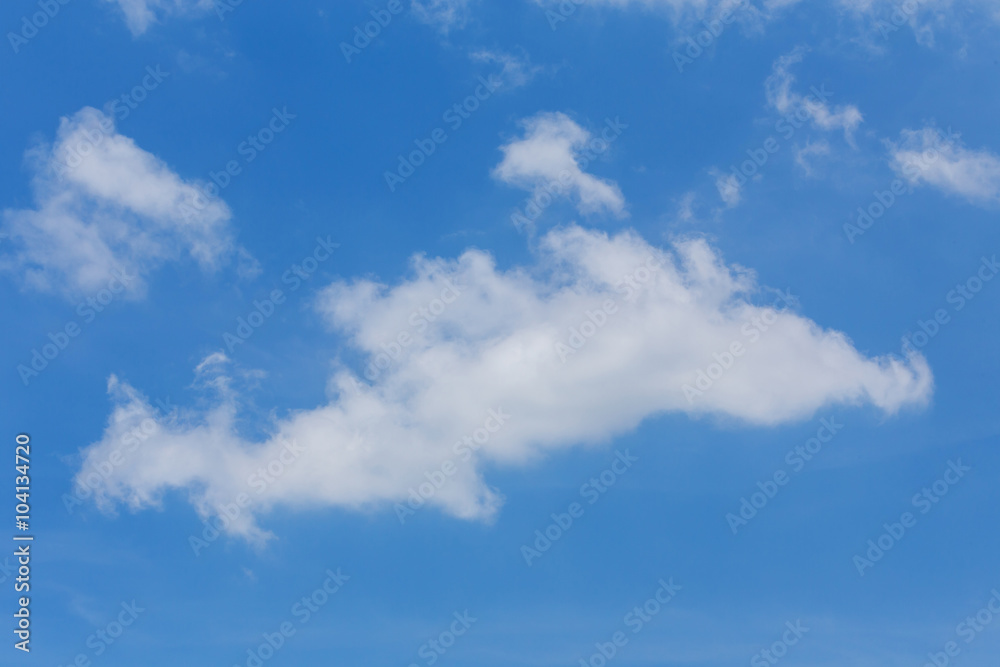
(570, 389)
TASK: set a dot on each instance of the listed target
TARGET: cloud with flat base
(468, 367)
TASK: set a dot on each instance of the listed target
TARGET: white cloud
(926, 157)
(921, 16)
(699, 7)
(884, 17)
(103, 205)
(553, 154)
(686, 15)
(685, 207)
(813, 106)
(445, 14)
(805, 154)
(516, 71)
(140, 14)
(679, 5)
(479, 339)
(780, 4)
(728, 186)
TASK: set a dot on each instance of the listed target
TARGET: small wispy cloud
(445, 15)
(729, 187)
(516, 70)
(813, 107)
(927, 157)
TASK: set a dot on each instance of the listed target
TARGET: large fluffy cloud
(472, 367)
(103, 206)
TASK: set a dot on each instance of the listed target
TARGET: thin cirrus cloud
(785, 100)
(551, 155)
(687, 16)
(516, 69)
(880, 15)
(804, 155)
(103, 205)
(678, 6)
(926, 157)
(923, 17)
(445, 15)
(141, 14)
(474, 367)
(730, 190)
